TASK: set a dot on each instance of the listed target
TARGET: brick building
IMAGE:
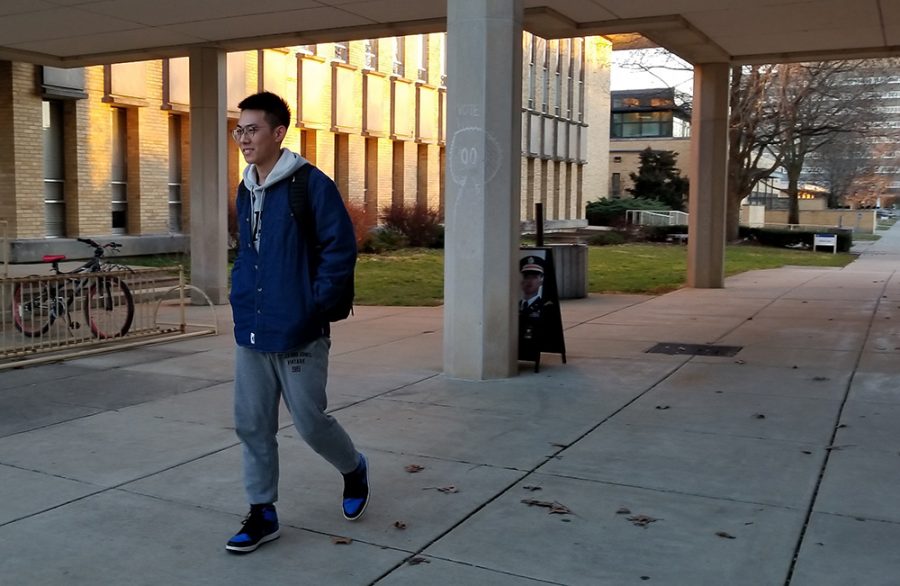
(104, 151)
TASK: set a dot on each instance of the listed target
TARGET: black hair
(278, 113)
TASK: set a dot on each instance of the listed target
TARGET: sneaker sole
(248, 548)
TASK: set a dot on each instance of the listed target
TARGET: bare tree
(820, 103)
(754, 127)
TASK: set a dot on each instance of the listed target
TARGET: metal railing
(656, 218)
(52, 317)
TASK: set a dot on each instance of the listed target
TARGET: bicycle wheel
(32, 309)
(109, 307)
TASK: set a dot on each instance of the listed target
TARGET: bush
(608, 238)
(611, 212)
(781, 238)
(361, 223)
(660, 233)
(419, 224)
(384, 240)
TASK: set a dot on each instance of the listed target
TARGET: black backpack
(298, 199)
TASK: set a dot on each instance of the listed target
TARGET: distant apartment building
(104, 151)
(659, 119)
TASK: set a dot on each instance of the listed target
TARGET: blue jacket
(277, 307)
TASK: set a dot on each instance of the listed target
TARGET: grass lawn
(657, 268)
(416, 276)
(413, 276)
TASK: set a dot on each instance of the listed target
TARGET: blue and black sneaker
(356, 491)
(260, 526)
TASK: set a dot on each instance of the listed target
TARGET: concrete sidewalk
(776, 466)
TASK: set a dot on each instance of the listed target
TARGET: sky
(666, 70)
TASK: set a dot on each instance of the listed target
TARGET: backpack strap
(298, 199)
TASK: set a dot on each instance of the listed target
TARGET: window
(342, 51)
(119, 177)
(175, 174)
(307, 49)
(399, 68)
(423, 58)
(54, 169)
(617, 159)
(641, 124)
(371, 60)
(581, 68)
(559, 66)
(545, 72)
(616, 184)
(444, 59)
(531, 52)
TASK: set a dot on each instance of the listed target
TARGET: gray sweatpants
(261, 379)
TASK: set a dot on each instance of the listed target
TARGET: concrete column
(484, 97)
(209, 166)
(708, 173)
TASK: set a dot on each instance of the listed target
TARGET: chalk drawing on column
(470, 148)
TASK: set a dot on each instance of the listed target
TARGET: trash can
(571, 262)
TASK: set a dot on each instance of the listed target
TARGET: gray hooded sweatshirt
(286, 166)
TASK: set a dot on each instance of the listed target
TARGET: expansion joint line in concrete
(834, 431)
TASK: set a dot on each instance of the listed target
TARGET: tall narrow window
(372, 54)
(559, 66)
(397, 174)
(531, 52)
(175, 174)
(119, 178)
(574, 47)
(342, 164)
(54, 169)
(581, 68)
(616, 184)
(342, 51)
(444, 59)
(399, 68)
(545, 75)
(423, 58)
(307, 49)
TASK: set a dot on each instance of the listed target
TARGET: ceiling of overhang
(82, 32)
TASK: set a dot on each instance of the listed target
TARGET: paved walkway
(776, 466)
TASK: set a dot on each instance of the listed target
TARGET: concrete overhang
(69, 33)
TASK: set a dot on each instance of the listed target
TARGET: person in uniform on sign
(531, 304)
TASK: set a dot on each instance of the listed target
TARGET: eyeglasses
(240, 132)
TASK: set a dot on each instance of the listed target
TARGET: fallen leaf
(444, 489)
(413, 468)
(341, 540)
(532, 488)
(807, 452)
(555, 507)
(759, 416)
(399, 525)
(642, 520)
(556, 445)
(820, 378)
(725, 535)
(662, 407)
(842, 426)
(418, 560)
(740, 362)
(623, 511)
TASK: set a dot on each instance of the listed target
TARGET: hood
(286, 166)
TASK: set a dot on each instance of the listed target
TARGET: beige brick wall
(26, 150)
(88, 144)
(8, 194)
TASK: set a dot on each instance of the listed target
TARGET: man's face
(531, 283)
(264, 146)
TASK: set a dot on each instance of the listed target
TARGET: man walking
(282, 288)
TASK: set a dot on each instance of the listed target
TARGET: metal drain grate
(694, 349)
